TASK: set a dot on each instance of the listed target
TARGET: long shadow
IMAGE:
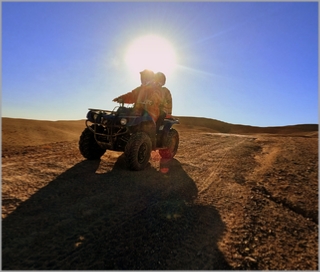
(116, 220)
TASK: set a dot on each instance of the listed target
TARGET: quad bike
(124, 130)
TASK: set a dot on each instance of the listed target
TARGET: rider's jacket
(145, 97)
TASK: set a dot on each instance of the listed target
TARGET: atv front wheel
(88, 146)
(171, 143)
(138, 151)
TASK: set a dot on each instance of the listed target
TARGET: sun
(150, 52)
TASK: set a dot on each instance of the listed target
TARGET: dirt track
(226, 201)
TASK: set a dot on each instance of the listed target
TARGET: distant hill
(224, 127)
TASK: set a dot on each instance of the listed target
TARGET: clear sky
(252, 63)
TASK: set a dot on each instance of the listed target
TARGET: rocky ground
(225, 202)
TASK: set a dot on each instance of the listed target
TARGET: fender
(165, 128)
(139, 119)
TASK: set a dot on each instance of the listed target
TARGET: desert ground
(234, 197)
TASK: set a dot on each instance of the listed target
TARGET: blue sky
(252, 63)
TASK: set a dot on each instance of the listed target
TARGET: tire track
(215, 170)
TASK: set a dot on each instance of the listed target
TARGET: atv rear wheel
(138, 151)
(171, 143)
(88, 146)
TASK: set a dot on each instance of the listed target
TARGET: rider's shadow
(119, 219)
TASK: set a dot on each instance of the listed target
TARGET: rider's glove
(118, 99)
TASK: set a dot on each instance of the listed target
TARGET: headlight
(123, 121)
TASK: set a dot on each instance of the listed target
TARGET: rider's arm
(128, 98)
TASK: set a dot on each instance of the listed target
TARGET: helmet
(146, 77)
(160, 78)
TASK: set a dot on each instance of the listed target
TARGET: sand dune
(26, 132)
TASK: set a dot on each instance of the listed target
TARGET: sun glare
(150, 52)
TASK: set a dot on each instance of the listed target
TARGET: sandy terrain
(234, 197)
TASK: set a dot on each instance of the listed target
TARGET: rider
(146, 97)
(166, 103)
(166, 98)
